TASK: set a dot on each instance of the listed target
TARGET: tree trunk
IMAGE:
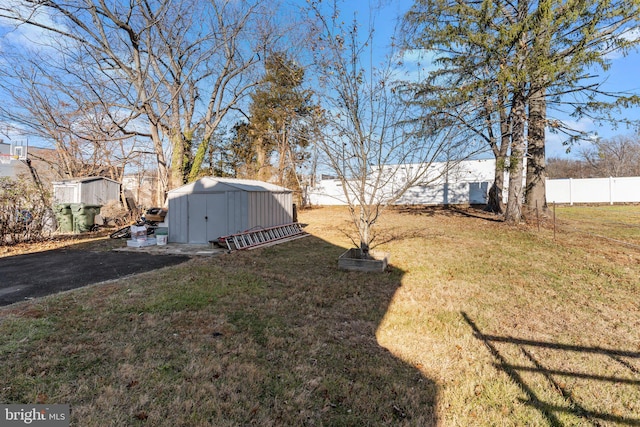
(495, 203)
(262, 158)
(198, 159)
(282, 157)
(365, 233)
(176, 177)
(513, 213)
(535, 191)
(163, 173)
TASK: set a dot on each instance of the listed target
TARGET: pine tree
(280, 122)
(509, 61)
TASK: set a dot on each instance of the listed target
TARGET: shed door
(207, 217)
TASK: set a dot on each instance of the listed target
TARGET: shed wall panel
(90, 192)
(64, 193)
(99, 192)
(237, 213)
(268, 209)
(178, 218)
(231, 219)
(196, 214)
(236, 208)
(206, 216)
(285, 201)
(271, 214)
(251, 210)
(217, 216)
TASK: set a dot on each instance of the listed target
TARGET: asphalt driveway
(33, 275)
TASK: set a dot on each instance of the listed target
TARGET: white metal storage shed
(94, 190)
(212, 207)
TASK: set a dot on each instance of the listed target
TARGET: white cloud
(414, 55)
(416, 64)
(632, 35)
(24, 36)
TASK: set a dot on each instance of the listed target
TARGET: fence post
(570, 191)
(554, 221)
(611, 190)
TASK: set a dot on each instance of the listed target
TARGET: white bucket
(161, 239)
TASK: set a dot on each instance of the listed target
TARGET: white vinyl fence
(594, 190)
(469, 183)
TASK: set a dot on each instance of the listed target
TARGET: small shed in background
(212, 207)
(94, 190)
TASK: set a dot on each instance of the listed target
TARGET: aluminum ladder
(263, 236)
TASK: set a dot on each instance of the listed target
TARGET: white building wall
(469, 183)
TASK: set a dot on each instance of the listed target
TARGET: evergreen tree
(281, 120)
(522, 56)
(241, 155)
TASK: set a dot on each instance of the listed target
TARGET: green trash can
(64, 217)
(84, 216)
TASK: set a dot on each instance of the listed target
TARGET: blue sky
(623, 74)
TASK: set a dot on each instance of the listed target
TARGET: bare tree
(617, 156)
(87, 129)
(370, 140)
(24, 211)
(181, 65)
(559, 168)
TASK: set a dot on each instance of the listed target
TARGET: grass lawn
(475, 324)
(613, 222)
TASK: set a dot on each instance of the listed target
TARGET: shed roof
(84, 180)
(211, 183)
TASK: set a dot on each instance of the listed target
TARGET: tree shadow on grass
(470, 211)
(332, 317)
(273, 336)
(570, 403)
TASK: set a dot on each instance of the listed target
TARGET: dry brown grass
(475, 324)
(619, 222)
(94, 241)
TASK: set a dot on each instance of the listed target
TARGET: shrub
(114, 214)
(25, 214)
